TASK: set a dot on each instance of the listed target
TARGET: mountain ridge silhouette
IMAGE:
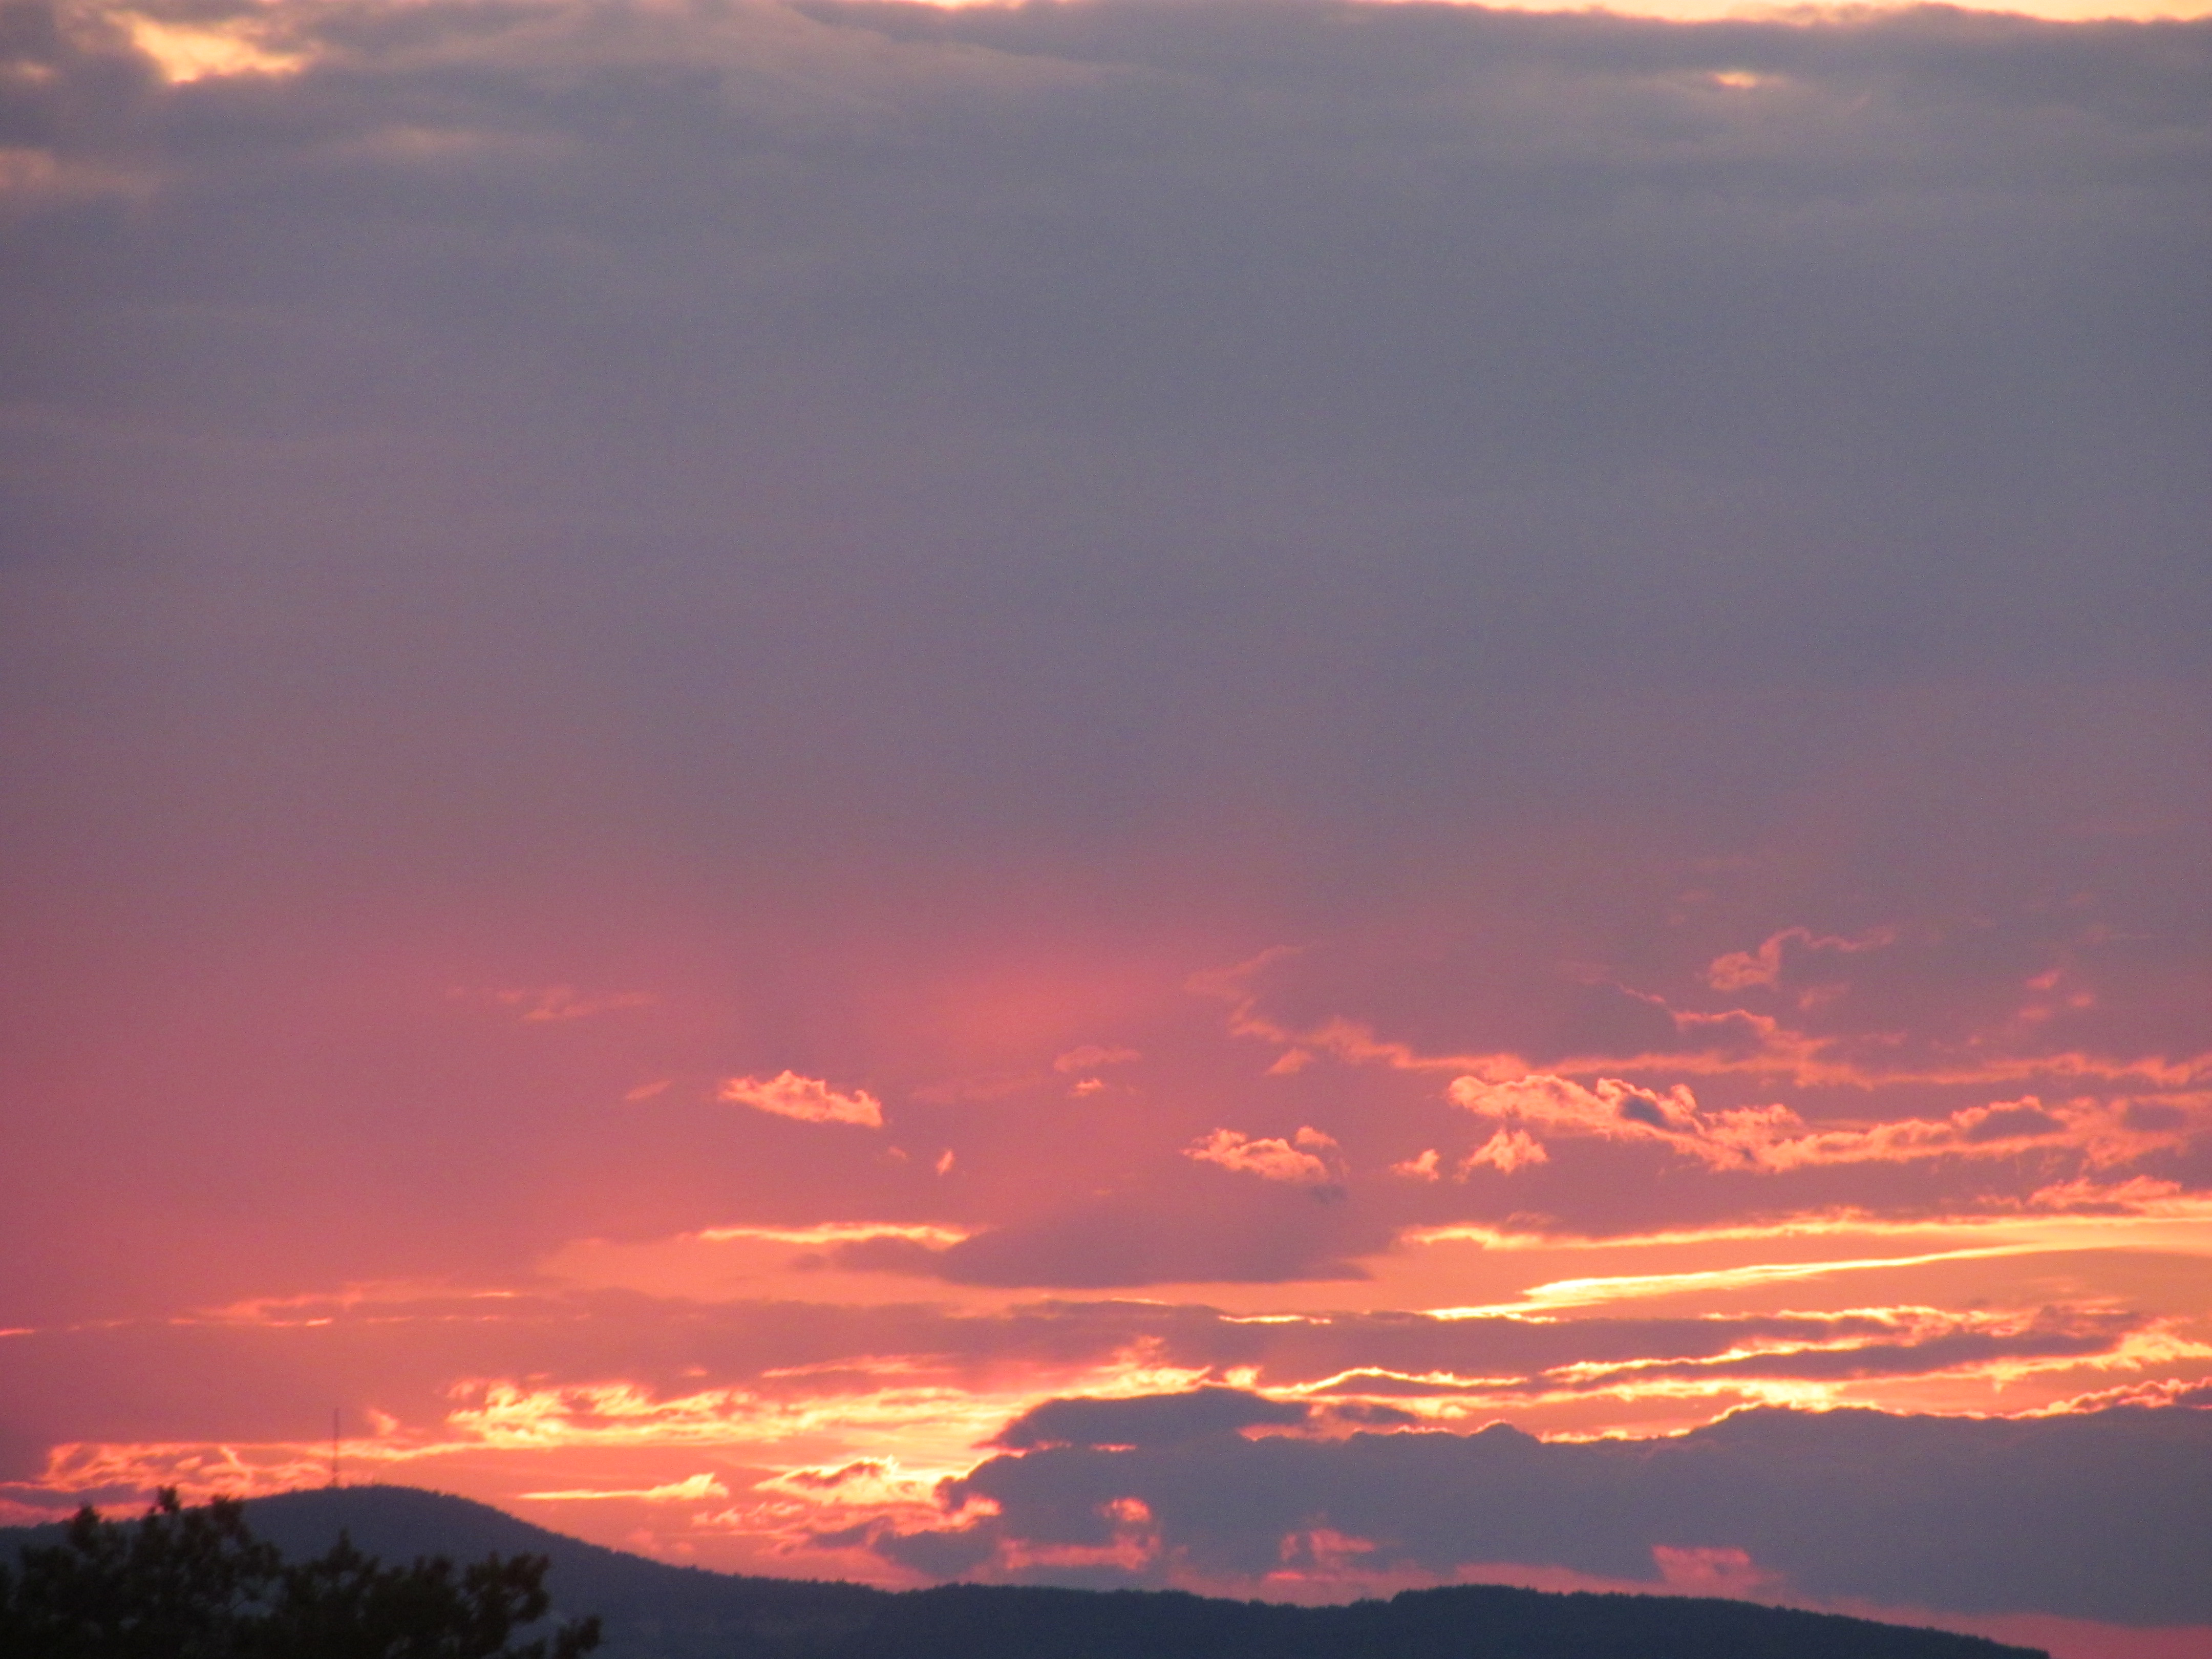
(655, 1610)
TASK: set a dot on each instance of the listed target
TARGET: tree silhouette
(195, 1583)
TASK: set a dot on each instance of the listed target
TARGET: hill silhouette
(655, 1611)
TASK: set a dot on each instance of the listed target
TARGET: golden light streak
(197, 50)
(1590, 1292)
(937, 1236)
(697, 1489)
(2167, 1220)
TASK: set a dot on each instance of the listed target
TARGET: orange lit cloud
(1740, 968)
(1271, 1159)
(184, 52)
(1505, 1151)
(1774, 1137)
(807, 1099)
(836, 1233)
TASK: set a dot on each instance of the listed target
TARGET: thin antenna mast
(334, 1447)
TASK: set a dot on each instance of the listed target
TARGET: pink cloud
(1505, 1151)
(810, 1101)
(1707, 1572)
(1272, 1159)
(1728, 1041)
(1740, 968)
(1774, 1137)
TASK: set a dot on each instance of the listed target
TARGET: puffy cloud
(1505, 1151)
(808, 1099)
(1270, 1158)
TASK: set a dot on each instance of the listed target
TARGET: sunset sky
(741, 737)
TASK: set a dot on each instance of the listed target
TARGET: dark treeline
(647, 1610)
(195, 1583)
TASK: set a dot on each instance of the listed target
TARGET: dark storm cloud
(2098, 1516)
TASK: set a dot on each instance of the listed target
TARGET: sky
(1280, 797)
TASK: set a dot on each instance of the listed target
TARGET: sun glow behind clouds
(1775, 1336)
(192, 50)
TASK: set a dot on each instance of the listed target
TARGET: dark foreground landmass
(654, 1611)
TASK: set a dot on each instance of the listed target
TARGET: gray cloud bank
(1093, 409)
(2106, 1516)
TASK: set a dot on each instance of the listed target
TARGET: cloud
(192, 51)
(809, 1100)
(1271, 1159)
(696, 1489)
(1775, 1137)
(526, 1393)
(1740, 969)
(1505, 1151)
(1146, 1420)
(2090, 1516)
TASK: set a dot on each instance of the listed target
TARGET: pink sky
(749, 738)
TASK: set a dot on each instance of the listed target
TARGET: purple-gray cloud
(2102, 1515)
